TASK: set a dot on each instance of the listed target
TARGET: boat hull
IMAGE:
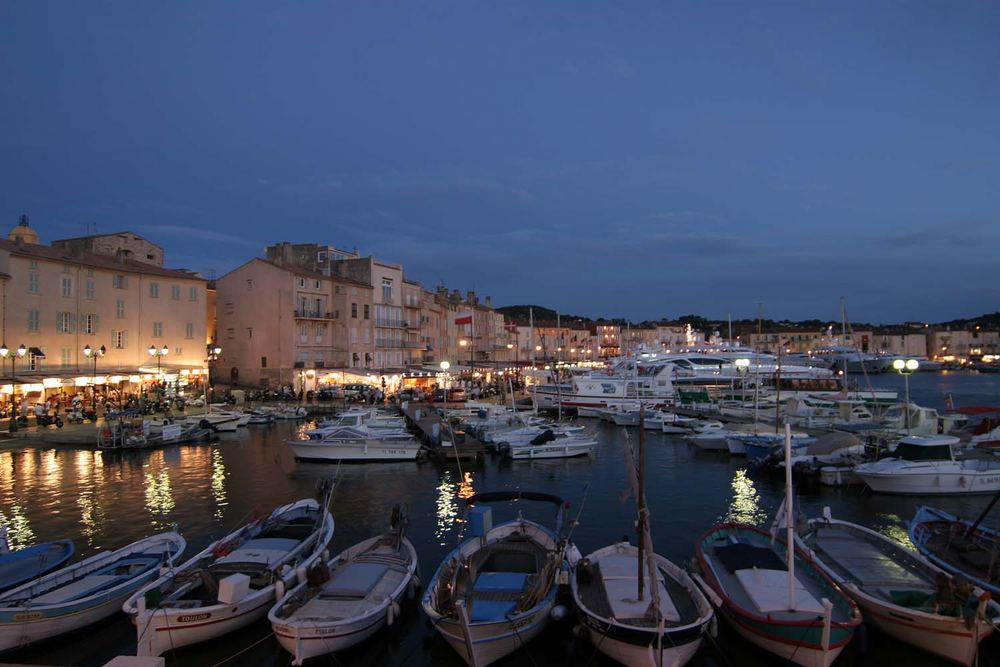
(350, 452)
(941, 483)
(493, 641)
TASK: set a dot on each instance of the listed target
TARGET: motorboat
(83, 593)
(349, 598)
(624, 384)
(350, 443)
(710, 436)
(959, 546)
(20, 565)
(495, 592)
(926, 465)
(757, 444)
(232, 583)
(217, 421)
(772, 592)
(548, 446)
(711, 369)
(900, 593)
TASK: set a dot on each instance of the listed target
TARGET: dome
(23, 232)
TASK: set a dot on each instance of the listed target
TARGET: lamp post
(159, 354)
(444, 369)
(905, 368)
(91, 353)
(20, 352)
(214, 350)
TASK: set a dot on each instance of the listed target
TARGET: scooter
(48, 420)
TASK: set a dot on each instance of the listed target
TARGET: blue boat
(23, 565)
(759, 446)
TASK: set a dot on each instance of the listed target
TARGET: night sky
(629, 159)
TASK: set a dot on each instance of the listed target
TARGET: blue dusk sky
(629, 159)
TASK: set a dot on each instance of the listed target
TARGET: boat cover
(354, 580)
(769, 591)
(741, 556)
(829, 443)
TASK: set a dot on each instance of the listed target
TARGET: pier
(442, 442)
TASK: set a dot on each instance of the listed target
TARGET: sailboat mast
(789, 519)
(641, 500)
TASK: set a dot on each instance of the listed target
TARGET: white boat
(83, 593)
(357, 444)
(710, 436)
(899, 592)
(557, 448)
(712, 369)
(926, 465)
(217, 421)
(496, 591)
(625, 384)
(232, 582)
(839, 475)
(525, 434)
(358, 592)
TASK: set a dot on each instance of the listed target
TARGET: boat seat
(353, 580)
(496, 594)
(768, 589)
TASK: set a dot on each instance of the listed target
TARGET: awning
(36, 352)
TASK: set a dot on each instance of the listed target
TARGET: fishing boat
(82, 593)
(900, 593)
(495, 592)
(958, 546)
(351, 443)
(349, 598)
(638, 607)
(20, 565)
(926, 465)
(232, 582)
(773, 594)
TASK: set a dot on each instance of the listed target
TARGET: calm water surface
(104, 502)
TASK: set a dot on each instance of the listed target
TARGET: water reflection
(92, 516)
(893, 527)
(449, 494)
(159, 496)
(745, 505)
(19, 532)
(218, 482)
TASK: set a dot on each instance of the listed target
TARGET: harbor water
(103, 502)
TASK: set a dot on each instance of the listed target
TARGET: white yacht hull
(311, 450)
(933, 483)
(551, 450)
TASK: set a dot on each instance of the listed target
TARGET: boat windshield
(911, 452)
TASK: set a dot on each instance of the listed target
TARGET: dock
(442, 442)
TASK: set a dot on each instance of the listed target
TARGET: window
(321, 256)
(316, 284)
(90, 324)
(189, 330)
(67, 286)
(64, 322)
(119, 340)
(65, 357)
(303, 333)
(229, 333)
(302, 282)
(33, 282)
(34, 264)
(120, 308)
(35, 362)
(263, 362)
(157, 329)
(367, 334)
(118, 281)
(249, 332)
(32, 320)
(387, 290)
(178, 351)
(90, 289)
(354, 334)
(249, 284)
(193, 294)
(354, 310)
(175, 292)
(367, 311)
(154, 290)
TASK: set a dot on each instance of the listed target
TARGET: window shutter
(124, 339)
(72, 322)
(96, 319)
(114, 337)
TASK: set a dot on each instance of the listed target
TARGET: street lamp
(91, 353)
(905, 368)
(159, 354)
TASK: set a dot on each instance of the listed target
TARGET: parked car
(353, 390)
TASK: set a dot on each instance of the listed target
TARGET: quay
(442, 442)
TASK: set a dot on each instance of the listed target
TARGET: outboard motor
(545, 436)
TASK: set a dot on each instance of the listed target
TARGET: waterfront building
(104, 290)
(282, 325)
(903, 342)
(608, 340)
(961, 345)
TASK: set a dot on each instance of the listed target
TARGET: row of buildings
(105, 310)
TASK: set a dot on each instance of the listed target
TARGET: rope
(597, 647)
(718, 647)
(244, 650)
(524, 646)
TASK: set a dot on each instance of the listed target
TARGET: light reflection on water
(218, 483)
(159, 496)
(744, 507)
(19, 532)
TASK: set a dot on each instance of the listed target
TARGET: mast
(641, 500)
(777, 388)
(789, 519)
(556, 367)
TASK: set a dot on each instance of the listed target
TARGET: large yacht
(719, 369)
(624, 382)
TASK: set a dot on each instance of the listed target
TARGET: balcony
(390, 324)
(412, 324)
(414, 345)
(314, 315)
(388, 342)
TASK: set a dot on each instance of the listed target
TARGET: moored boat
(494, 593)
(82, 593)
(900, 593)
(20, 565)
(352, 597)
(958, 546)
(232, 582)
(349, 443)
(926, 465)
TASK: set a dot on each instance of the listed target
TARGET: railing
(388, 342)
(314, 314)
(394, 324)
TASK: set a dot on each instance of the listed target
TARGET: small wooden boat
(350, 598)
(21, 565)
(82, 593)
(773, 594)
(231, 583)
(494, 593)
(900, 593)
(958, 546)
